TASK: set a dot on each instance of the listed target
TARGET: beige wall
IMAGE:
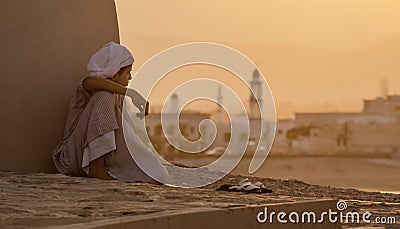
(320, 119)
(381, 138)
(45, 46)
(383, 106)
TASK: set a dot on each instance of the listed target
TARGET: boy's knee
(102, 97)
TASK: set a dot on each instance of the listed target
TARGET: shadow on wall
(45, 45)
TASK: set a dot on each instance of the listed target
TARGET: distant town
(374, 130)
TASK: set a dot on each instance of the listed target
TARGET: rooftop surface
(38, 200)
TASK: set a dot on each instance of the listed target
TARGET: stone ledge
(40, 200)
(235, 217)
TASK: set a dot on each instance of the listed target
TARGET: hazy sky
(316, 55)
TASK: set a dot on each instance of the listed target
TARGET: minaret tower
(174, 104)
(219, 106)
(255, 85)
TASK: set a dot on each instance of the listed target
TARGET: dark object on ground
(245, 186)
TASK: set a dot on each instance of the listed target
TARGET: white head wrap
(109, 60)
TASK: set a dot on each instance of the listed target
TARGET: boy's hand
(141, 115)
(138, 100)
(146, 109)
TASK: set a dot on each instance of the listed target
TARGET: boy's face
(123, 77)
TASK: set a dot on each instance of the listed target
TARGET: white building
(375, 130)
(188, 129)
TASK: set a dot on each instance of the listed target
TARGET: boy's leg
(97, 170)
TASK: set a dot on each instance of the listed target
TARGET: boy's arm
(93, 84)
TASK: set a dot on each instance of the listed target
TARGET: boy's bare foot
(102, 176)
(97, 170)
